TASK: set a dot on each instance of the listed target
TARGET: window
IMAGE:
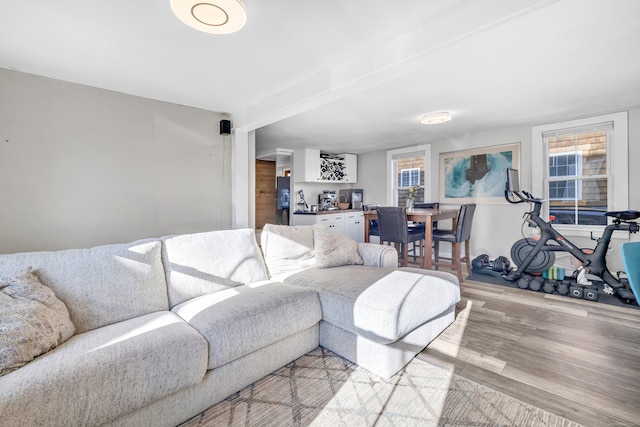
(409, 177)
(577, 185)
(582, 170)
(563, 166)
(406, 168)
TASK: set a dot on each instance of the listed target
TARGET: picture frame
(477, 175)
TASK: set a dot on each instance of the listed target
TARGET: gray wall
(497, 226)
(81, 166)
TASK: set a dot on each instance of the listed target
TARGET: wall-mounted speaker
(225, 127)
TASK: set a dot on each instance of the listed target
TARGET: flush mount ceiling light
(435, 118)
(211, 16)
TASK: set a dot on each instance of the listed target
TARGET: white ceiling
(346, 75)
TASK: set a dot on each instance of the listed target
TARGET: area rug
(602, 296)
(323, 389)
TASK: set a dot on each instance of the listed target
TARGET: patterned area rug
(323, 389)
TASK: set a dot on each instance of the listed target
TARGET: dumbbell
(523, 282)
(536, 283)
(591, 293)
(563, 287)
(576, 291)
(549, 287)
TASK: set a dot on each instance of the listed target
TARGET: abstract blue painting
(477, 175)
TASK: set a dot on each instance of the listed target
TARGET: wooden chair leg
(467, 257)
(455, 260)
(405, 254)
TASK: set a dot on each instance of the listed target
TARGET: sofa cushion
(99, 375)
(32, 321)
(379, 303)
(244, 319)
(202, 263)
(101, 285)
(287, 249)
(334, 250)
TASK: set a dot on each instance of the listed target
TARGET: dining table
(428, 216)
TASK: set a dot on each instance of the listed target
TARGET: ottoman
(381, 318)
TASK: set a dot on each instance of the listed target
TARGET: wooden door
(265, 193)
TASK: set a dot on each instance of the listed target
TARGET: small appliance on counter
(302, 206)
(327, 201)
(353, 197)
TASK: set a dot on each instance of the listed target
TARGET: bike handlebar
(522, 196)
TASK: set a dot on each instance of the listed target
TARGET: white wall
(634, 160)
(495, 226)
(81, 166)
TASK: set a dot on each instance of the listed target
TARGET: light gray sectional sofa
(165, 328)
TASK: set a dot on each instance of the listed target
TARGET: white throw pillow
(334, 250)
(32, 321)
(287, 249)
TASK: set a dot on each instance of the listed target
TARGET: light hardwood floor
(576, 358)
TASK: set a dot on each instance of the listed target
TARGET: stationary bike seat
(624, 215)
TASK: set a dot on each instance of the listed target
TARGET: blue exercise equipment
(631, 259)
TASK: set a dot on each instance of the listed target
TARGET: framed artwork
(477, 175)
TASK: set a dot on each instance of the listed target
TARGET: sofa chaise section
(372, 314)
(381, 318)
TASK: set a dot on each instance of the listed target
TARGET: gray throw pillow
(32, 321)
(334, 250)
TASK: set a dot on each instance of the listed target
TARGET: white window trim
(392, 189)
(619, 180)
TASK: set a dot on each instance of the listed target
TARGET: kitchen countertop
(327, 212)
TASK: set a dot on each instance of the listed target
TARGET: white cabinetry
(310, 165)
(354, 225)
(333, 223)
(351, 165)
(306, 165)
(350, 223)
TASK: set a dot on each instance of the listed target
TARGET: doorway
(266, 193)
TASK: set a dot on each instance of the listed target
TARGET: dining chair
(461, 234)
(431, 205)
(393, 228)
(373, 223)
(420, 225)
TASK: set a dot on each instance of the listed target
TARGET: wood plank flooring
(576, 358)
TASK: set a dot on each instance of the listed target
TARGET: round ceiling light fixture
(211, 16)
(436, 118)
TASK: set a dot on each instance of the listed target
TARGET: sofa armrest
(375, 255)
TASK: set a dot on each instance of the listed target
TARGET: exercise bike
(537, 256)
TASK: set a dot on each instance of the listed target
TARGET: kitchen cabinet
(333, 223)
(311, 165)
(306, 165)
(351, 164)
(354, 225)
(330, 222)
(350, 223)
